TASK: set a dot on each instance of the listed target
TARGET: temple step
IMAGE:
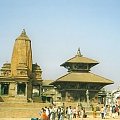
(21, 110)
(12, 99)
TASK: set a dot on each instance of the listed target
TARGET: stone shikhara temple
(20, 78)
(21, 81)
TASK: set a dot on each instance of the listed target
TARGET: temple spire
(22, 54)
(23, 36)
(79, 53)
(23, 33)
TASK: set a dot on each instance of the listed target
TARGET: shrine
(80, 84)
(20, 80)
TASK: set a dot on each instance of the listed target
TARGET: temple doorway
(21, 88)
(4, 89)
(36, 91)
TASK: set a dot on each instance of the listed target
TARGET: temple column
(15, 89)
(0, 89)
(12, 86)
(40, 92)
(26, 89)
(87, 96)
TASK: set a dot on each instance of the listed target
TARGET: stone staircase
(13, 99)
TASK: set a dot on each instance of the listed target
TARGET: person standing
(102, 112)
(62, 114)
(74, 112)
(47, 111)
(59, 112)
(66, 112)
(82, 113)
(52, 113)
(117, 110)
(78, 111)
(113, 111)
(43, 115)
(70, 113)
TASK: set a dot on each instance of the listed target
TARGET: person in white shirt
(70, 113)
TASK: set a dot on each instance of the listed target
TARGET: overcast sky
(57, 28)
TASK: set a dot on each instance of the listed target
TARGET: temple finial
(23, 36)
(23, 32)
(79, 53)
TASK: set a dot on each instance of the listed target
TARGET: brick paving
(88, 118)
(28, 111)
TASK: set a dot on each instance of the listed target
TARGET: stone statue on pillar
(87, 96)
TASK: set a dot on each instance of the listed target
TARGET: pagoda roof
(84, 77)
(47, 82)
(80, 59)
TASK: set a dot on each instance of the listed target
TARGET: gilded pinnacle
(79, 53)
(23, 33)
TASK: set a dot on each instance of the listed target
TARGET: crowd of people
(112, 111)
(53, 112)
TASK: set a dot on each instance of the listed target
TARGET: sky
(57, 28)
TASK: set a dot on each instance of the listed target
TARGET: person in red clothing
(43, 115)
(117, 109)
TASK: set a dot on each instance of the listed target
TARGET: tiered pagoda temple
(20, 80)
(80, 82)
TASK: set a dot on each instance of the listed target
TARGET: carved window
(80, 66)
